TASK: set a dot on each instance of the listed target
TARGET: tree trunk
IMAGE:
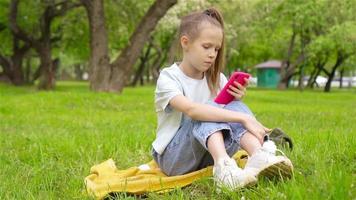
(147, 75)
(341, 77)
(156, 65)
(37, 73)
(122, 66)
(164, 56)
(328, 83)
(311, 78)
(99, 62)
(78, 72)
(28, 70)
(139, 72)
(318, 66)
(340, 59)
(288, 67)
(143, 62)
(173, 50)
(43, 43)
(315, 78)
(301, 78)
(43, 47)
(18, 77)
(13, 66)
(113, 77)
(47, 73)
(289, 72)
(282, 85)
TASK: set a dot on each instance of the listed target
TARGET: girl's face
(202, 52)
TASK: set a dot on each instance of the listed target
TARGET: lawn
(49, 141)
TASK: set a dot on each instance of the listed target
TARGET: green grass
(49, 141)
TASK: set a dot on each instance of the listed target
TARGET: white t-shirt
(172, 82)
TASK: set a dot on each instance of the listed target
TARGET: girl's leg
(222, 140)
(247, 140)
(216, 146)
(185, 153)
(225, 171)
(250, 143)
(224, 144)
(262, 160)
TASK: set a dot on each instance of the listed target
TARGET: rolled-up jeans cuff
(203, 135)
(239, 136)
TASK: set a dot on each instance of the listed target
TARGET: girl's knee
(238, 106)
(234, 104)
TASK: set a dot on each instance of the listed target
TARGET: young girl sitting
(193, 131)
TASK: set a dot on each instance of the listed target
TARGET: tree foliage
(310, 37)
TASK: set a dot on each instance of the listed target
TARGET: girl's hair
(191, 25)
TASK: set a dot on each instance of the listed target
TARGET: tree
(304, 18)
(43, 43)
(12, 65)
(343, 43)
(12, 51)
(106, 76)
(335, 41)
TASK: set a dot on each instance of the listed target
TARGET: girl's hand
(255, 127)
(239, 91)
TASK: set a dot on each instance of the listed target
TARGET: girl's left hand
(239, 91)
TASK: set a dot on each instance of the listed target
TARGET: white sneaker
(265, 163)
(228, 174)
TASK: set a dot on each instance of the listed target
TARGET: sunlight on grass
(49, 141)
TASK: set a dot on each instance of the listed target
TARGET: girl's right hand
(255, 127)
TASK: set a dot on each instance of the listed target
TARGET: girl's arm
(204, 112)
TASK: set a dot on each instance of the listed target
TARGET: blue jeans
(188, 151)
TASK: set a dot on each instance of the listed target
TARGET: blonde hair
(190, 26)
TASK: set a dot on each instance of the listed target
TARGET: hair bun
(212, 12)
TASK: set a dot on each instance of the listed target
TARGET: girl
(193, 131)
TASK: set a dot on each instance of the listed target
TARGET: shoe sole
(279, 170)
(249, 184)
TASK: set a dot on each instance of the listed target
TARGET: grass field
(49, 141)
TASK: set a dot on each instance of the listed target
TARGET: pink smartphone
(224, 97)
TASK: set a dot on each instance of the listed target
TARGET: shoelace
(230, 166)
(270, 147)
